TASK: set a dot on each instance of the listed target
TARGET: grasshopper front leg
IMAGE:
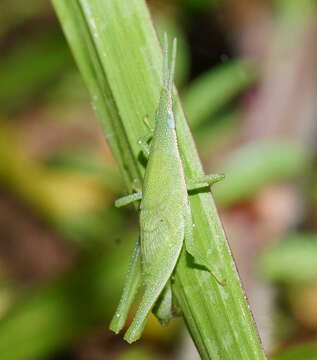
(144, 144)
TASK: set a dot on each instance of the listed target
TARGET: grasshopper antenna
(165, 62)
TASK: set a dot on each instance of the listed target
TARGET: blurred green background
(246, 73)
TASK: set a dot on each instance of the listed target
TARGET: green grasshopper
(165, 217)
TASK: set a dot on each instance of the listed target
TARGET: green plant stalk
(117, 51)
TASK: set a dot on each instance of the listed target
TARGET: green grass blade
(118, 53)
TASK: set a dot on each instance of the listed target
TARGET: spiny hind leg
(193, 250)
(131, 285)
(152, 291)
(203, 181)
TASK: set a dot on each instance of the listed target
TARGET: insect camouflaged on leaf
(165, 217)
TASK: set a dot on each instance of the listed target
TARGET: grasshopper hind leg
(192, 249)
(131, 286)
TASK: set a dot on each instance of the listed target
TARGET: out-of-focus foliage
(300, 352)
(164, 24)
(257, 165)
(44, 59)
(137, 353)
(293, 261)
(79, 215)
(63, 309)
(198, 5)
(13, 13)
(212, 90)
